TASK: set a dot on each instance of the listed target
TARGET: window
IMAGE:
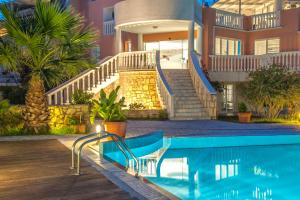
(96, 53)
(225, 46)
(108, 14)
(267, 46)
(228, 97)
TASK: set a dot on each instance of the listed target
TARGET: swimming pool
(223, 168)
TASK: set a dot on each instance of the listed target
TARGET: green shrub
(10, 118)
(75, 120)
(63, 130)
(108, 108)
(15, 95)
(163, 115)
(270, 90)
(242, 107)
(80, 97)
(136, 106)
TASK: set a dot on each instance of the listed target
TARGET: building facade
(181, 45)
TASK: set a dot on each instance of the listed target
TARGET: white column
(199, 40)
(119, 43)
(140, 42)
(278, 5)
(191, 36)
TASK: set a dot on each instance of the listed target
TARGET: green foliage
(10, 118)
(136, 106)
(272, 89)
(52, 44)
(66, 130)
(75, 120)
(81, 97)
(15, 95)
(242, 107)
(108, 108)
(163, 115)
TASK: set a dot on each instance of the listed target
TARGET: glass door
(174, 54)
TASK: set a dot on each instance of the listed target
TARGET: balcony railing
(266, 20)
(228, 19)
(249, 63)
(109, 27)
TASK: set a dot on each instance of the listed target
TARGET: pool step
(187, 103)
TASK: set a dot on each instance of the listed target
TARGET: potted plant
(110, 110)
(76, 122)
(243, 114)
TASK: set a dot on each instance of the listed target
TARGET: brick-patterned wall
(140, 87)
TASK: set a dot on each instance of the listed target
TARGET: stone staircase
(187, 105)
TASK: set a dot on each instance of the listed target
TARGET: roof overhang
(248, 6)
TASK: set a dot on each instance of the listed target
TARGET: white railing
(230, 20)
(266, 20)
(93, 80)
(164, 90)
(248, 63)
(109, 27)
(138, 60)
(205, 91)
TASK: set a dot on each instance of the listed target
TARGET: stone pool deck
(207, 128)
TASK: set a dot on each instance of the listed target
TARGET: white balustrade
(139, 60)
(203, 87)
(249, 63)
(109, 27)
(164, 90)
(92, 78)
(266, 20)
(229, 19)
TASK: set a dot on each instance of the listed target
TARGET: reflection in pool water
(252, 172)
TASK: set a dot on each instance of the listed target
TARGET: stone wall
(60, 115)
(140, 87)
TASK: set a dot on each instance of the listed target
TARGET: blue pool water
(232, 168)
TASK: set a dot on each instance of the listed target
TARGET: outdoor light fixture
(98, 128)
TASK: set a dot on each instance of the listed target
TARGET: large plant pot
(118, 128)
(244, 117)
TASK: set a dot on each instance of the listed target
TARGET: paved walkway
(207, 128)
(39, 170)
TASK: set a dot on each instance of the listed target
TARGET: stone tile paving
(207, 128)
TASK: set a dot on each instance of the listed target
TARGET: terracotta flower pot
(118, 128)
(244, 117)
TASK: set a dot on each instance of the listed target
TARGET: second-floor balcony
(250, 63)
(109, 27)
(258, 22)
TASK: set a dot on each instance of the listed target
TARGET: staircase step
(189, 110)
(187, 103)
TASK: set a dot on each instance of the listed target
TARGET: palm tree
(52, 44)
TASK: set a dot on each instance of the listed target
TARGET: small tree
(52, 44)
(272, 89)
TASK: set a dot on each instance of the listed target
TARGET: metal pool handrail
(97, 137)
